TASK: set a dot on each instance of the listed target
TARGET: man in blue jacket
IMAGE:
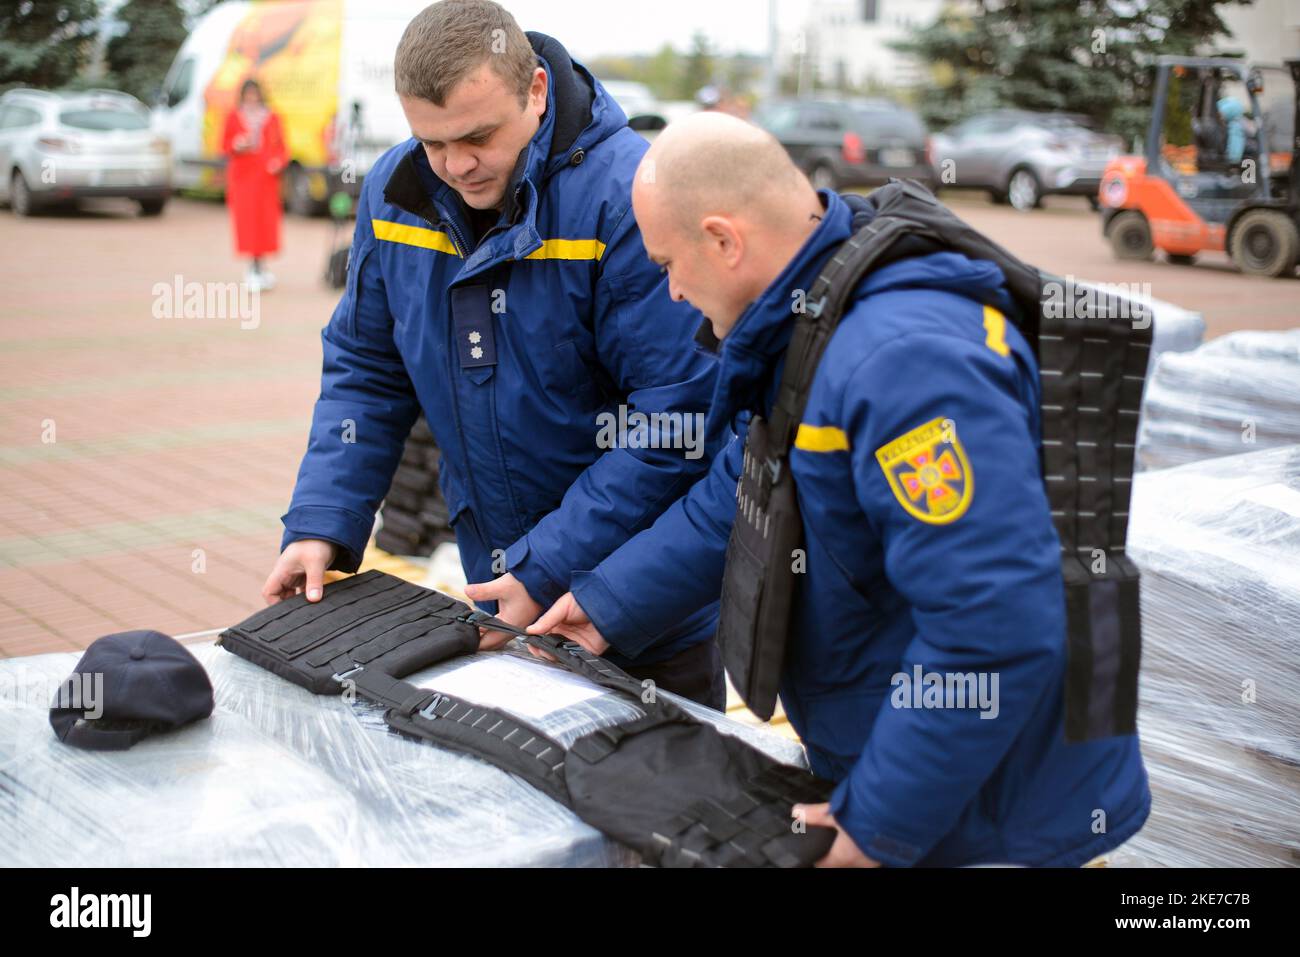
(931, 560)
(498, 282)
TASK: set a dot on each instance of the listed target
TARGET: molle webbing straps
(370, 618)
(487, 733)
(702, 798)
(1093, 357)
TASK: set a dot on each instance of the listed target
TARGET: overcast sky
(592, 28)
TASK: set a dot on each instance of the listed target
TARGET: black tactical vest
(1092, 365)
(673, 788)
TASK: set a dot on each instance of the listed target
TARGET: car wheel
(1265, 242)
(20, 196)
(1130, 236)
(823, 177)
(1023, 190)
(152, 207)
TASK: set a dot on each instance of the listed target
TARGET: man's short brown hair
(449, 40)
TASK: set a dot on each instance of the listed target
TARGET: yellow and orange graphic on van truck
(292, 49)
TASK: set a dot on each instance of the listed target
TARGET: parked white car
(57, 148)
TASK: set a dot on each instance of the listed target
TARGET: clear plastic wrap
(1218, 542)
(1238, 393)
(1176, 329)
(279, 776)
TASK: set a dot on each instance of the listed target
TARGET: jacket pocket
(356, 262)
(456, 501)
(574, 378)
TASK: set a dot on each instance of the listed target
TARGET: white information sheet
(505, 682)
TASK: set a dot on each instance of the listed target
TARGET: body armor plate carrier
(1092, 368)
(673, 788)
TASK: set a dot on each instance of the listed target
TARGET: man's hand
(843, 853)
(514, 606)
(301, 565)
(567, 618)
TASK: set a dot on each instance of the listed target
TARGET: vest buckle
(427, 711)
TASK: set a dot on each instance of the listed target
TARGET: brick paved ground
(171, 435)
(177, 435)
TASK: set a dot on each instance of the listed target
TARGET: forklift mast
(1293, 191)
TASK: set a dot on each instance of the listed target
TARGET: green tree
(671, 76)
(139, 57)
(1093, 57)
(743, 73)
(45, 44)
(662, 72)
(698, 72)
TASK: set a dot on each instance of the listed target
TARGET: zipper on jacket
(502, 227)
(456, 237)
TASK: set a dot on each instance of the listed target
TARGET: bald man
(931, 560)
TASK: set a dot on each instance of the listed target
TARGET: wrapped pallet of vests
(413, 518)
(1219, 546)
(1238, 393)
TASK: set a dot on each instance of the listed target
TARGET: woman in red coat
(253, 142)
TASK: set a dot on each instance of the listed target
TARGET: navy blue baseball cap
(129, 685)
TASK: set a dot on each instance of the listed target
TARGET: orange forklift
(1221, 171)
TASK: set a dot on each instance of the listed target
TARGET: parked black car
(850, 142)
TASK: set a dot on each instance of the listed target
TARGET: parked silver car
(62, 147)
(1020, 156)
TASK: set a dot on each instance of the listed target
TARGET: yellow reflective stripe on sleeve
(821, 438)
(569, 249)
(995, 325)
(413, 236)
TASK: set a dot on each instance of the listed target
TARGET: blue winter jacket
(930, 551)
(513, 349)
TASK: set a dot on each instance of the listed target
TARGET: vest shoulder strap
(822, 310)
(899, 220)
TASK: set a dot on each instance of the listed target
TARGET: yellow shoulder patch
(928, 472)
(820, 438)
(995, 329)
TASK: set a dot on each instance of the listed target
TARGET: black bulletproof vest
(673, 788)
(1092, 355)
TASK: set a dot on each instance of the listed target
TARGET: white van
(326, 66)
